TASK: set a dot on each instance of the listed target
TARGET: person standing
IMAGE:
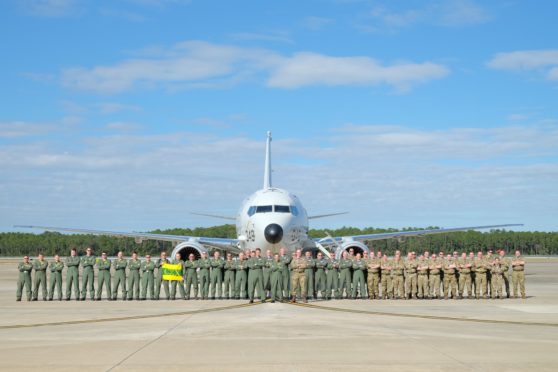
(422, 279)
(450, 281)
(518, 275)
(275, 278)
(435, 271)
(266, 271)
(228, 280)
(72, 275)
(159, 279)
(120, 265)
(286, 259)
(481, 282)
(385, 269)
(397, 279)
(134, 277)
(332, 286)
(40, 266)
(191, 276)
(255, 276)
(216, 276)
(56, 268)
(505, 262)
(310, 274)
(345, 277)
(373, 265)
(497, 272)
(465, 282)
(359, 265)
(204, 264)
(147, 278)
(88, 277)
(411, 276)
(103, 277)
(178, 283)
(24, 278)
(298, 276)
(241, 278)
(320, 279)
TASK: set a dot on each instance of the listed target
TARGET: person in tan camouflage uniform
(298, 266)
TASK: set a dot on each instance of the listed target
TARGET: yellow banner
(172, 272)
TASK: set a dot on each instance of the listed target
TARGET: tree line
(50, 243)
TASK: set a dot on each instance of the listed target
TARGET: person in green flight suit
(120, 265)
(178, 283)
(191, 276)
(72, 275)
(320, 280)
(310, 266)
(204, 264)
(216, 276)
(332, 286)
(24, 278)
(40, 266)
(255, 275)
(56, 268)
(241, 278)
(228, 280)
(159, 279)
(285, 274)
(103, 277)
(275, 278)
(359, 265)
(266, 271)
(87, 278)
(134, 277)
(147, 278)
(345, 278)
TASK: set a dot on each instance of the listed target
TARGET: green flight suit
(286, 277)
(332, 286)
(298, 277)
(267, 274)
(40, 279)
(228, 280)
(216, 278)
(397, 279)
(255, 277)
(241, 279)
(204, 264)
(191, 276)
(88, 277)
(56, 279)
(310, 276)
(411, 278)
(120, 265)
(147, 280)
(518, 276)
(422, 279)
(159, 279)
(358, 279)
(373, 277)
(178, 283)
(320, 280)
(465, 280)
(24, 280)
(276, 280)
(435, 270)
(72, 277)
(345, 277)
(385, 279)
(103, 277)
(134, 279)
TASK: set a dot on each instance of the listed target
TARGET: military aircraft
(270, 218)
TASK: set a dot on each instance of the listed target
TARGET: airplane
(271, 218)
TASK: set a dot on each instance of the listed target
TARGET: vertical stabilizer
(267, 171)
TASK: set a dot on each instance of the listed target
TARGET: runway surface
(433, 335)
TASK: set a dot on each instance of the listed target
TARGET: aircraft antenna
(267, 170)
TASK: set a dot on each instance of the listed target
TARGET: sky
(130, 114)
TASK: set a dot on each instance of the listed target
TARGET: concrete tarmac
(429, 335)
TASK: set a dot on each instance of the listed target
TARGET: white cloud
(279, 36)
(305, 69)
(197, 64)
(15, 129)
(317, 23)
(51, 8)
(524, 60)
(112, 107)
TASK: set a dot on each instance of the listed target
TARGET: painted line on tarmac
(421, 316)
(134, 317)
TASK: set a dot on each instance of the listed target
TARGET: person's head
(268, 253)
(204, 254)
(434, 256)
(298, 253)
(441, 254)
(241, 256)
(517, 253)
(409, 255)
(229, 256)
(177, 256)
(191, 257)
(479, 254)
(320, 255)
(421, 257)
(258, 252)
(449, 256)
(358, 256)
(26, 259)
(308, 254)
(345, 254)
(41, 257)
(148, 257)
(398, 252)
(216, 254)
(463, 255)
(276, 257)
(502, 253)
(365, 254)
(426, 254)
(497, 260)
(163, 255)
(88, 251)
(120, 254)
(489, 254)
(282, 251)
(73, 252)
(385, 257)
(56, 258)
(104, 255)
(252, 253)
(455, 254)
(351, 251)
(471, 255)
(379, 254)
(134, 255)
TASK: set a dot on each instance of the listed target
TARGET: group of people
(278, 277)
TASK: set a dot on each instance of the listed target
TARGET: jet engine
(187, 247)
(345, 245)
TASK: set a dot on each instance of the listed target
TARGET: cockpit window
(264, 209)
(251, 210)
(282, 209)
(294, 210)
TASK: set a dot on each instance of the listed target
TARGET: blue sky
(128, 114)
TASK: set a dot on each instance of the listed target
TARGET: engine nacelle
(185, 248)
(358, 247)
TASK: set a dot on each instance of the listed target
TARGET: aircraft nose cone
(273, 233)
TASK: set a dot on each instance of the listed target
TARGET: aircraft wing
(226, 244)
(402, 234)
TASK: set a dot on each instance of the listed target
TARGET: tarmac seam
(135, 317)
(421, 316)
